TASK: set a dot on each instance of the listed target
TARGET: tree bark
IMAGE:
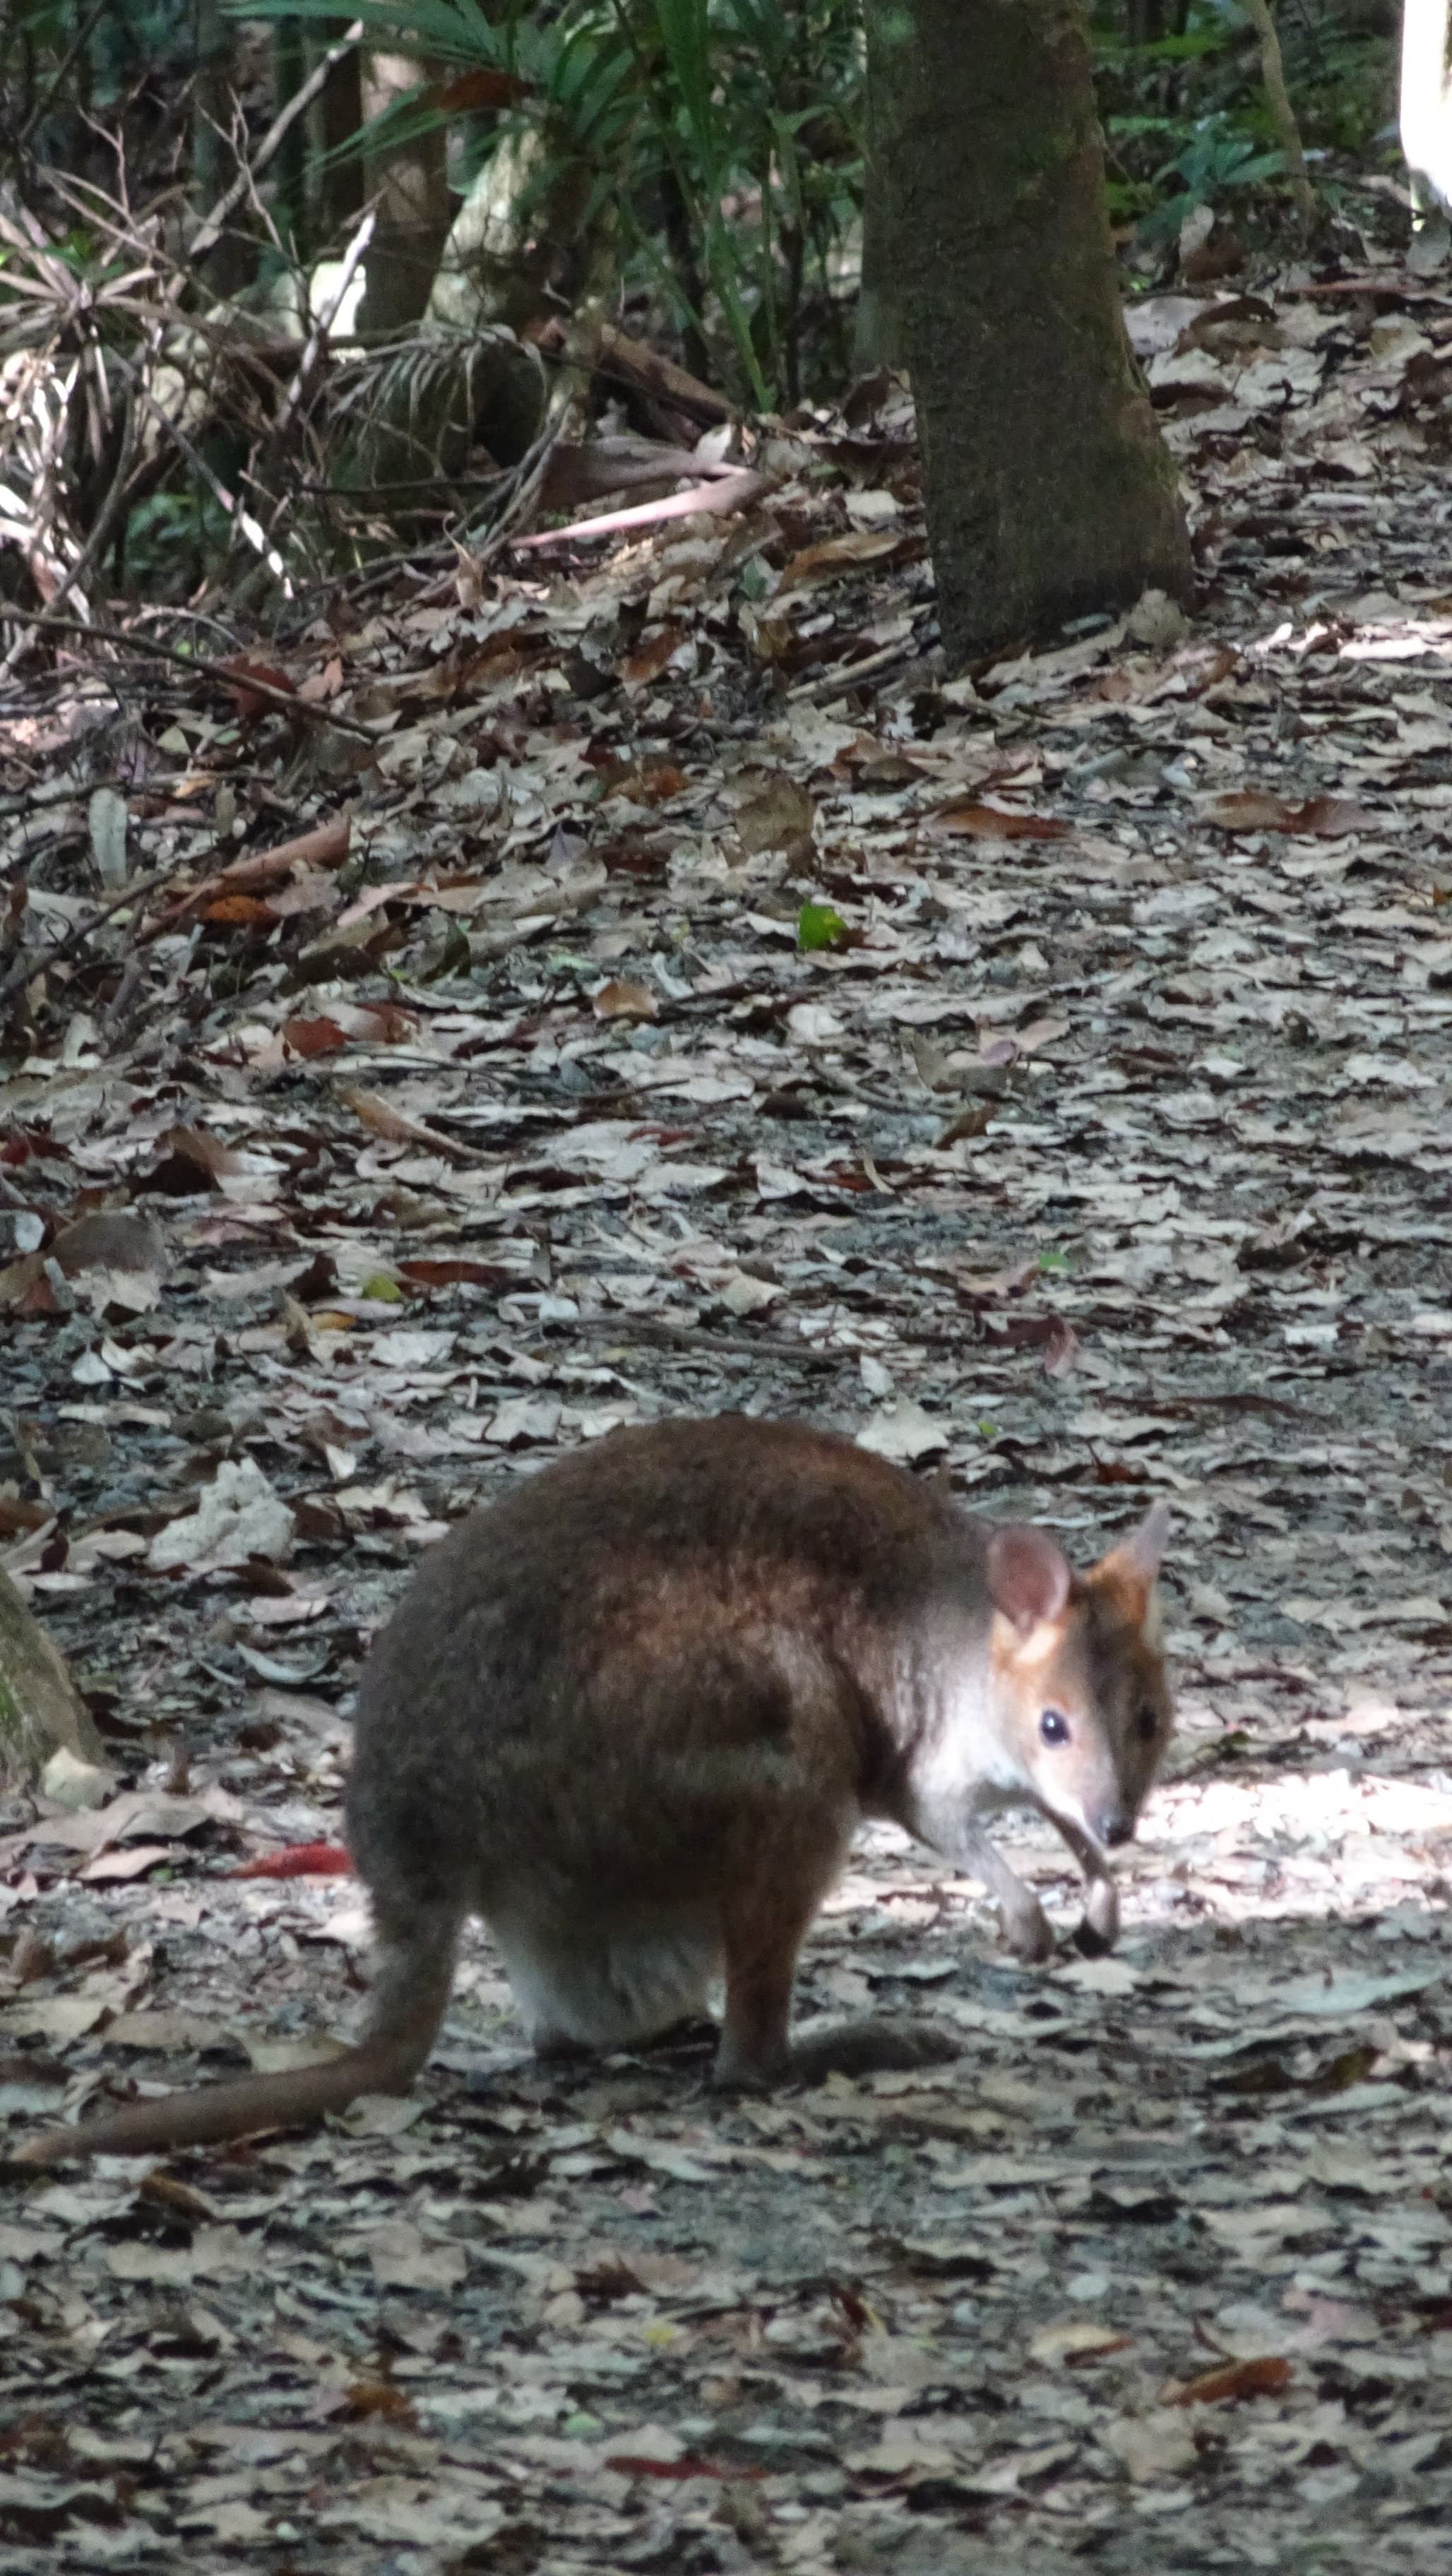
(1426, 100)
(214, 112)
(40, 1713)
(342, 115)
(1283, 115)
(878, 341)
(411, 187)
(1049, 491)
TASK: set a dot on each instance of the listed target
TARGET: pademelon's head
(1079, 1677)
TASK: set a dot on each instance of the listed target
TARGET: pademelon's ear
(1130, 1569)
(1028, 1576)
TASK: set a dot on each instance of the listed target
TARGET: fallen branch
(719, 495)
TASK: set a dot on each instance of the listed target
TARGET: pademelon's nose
(1116, 1827)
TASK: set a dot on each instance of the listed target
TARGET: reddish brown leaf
(238, 911)
(367, 2397)
(649, 659)
(313, 1037)
(998, 823)
(299, 1860)
(250, 702)
(1256, 809)
(627, 2464)
(1235, 2379)
(452, 1273)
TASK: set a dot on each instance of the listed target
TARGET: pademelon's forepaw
(1100, 1928)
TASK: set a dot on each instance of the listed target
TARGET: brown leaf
(252, 703)
(969, 1122)
(998, 823)
(25, 1289)
(649, 659)
(398, 1130)
(238, 911)
(319, 686)
(457, 1272)
(622, 1000)
(313, 1037)
(627, 2464)
(1257, 809)
(1234, 2380)
(378, 2397)
(837, 555)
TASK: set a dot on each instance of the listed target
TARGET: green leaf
(819, 926)
(382, 1289)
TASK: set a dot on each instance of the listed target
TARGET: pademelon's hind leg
(765, 1927)
(766, 1921)
(593, 1985)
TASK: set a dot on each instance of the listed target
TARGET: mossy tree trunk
(1049, 490)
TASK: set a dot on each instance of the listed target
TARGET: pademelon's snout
(1113, 1826)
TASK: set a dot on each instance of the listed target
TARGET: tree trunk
(214, 115)
(1049, 491)
(878, 339)
(40, 1713)
(411, 188)
(342, 115)
(290, 169)
(1426, 101)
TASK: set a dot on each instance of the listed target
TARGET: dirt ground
(1043, 1074)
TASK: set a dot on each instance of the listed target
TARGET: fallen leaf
(1235, 2379)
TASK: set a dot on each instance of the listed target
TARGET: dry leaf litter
(679, 996)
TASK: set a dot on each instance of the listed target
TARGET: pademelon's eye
(1146, 1723)
(1054, 1726)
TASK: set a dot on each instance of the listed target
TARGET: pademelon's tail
(411, 1990)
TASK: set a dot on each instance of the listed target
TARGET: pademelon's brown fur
(631, 1713)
